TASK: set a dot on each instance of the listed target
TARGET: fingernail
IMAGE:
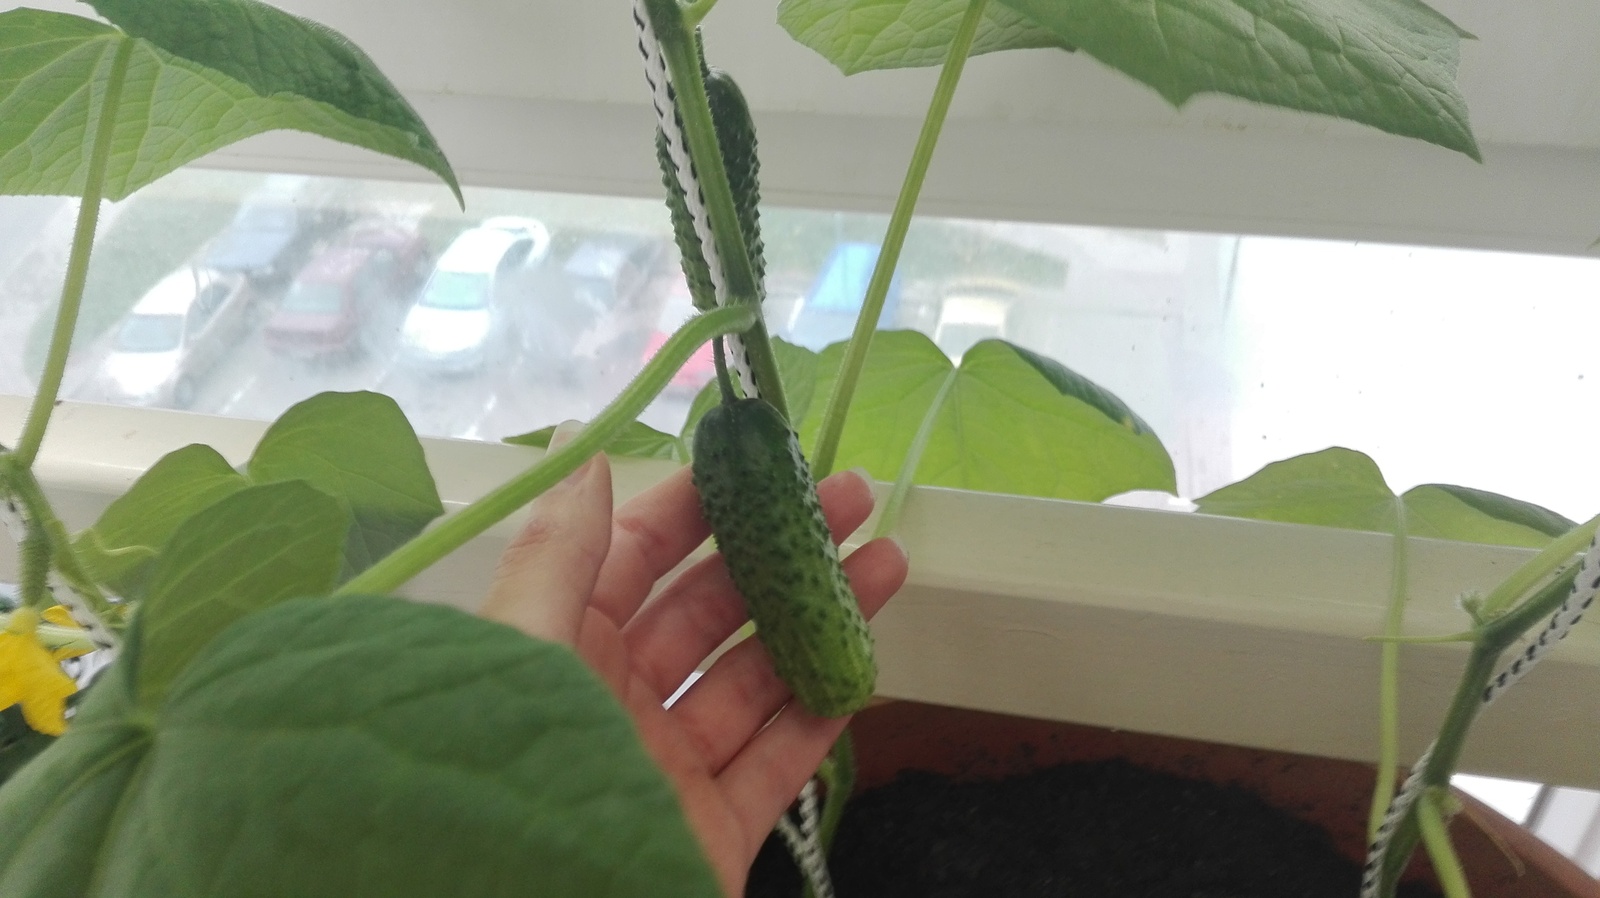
(864, 474)
(901, 545)
(566, 431)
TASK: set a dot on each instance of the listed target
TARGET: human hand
(579, 575)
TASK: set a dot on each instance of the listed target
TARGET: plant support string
(1381, 870)
(804, 841)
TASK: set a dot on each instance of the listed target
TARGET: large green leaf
(1003, 427)
(1390, 64)
(203, 74)
(121, 547)
(360, 449)
(254, 549)
(1478, 516)
(1340, 487)
(637, 440)
(363, 747)
(356, 447)
(862, 35)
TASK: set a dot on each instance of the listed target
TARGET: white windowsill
(1209, 628)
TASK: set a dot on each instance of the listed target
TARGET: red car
(355, 287)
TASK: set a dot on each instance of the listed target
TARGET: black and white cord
(1578, 601)
(664, 98)
(804, 840)
(805, 843)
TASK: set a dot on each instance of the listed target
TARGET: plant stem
(894, 239)
(696, 12)
(430, 546)
(890, 518)
(1389, 678)
(1494, 637)
(1436, 839)
(838, 774)
(681, 52)
(1446, 753)
(19, 481)
(55, 366)
(1558, 553)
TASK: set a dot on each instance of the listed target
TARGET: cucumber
(736, 138)
(758, 495)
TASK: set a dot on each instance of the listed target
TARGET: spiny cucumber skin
(736, 138)
(758, 495)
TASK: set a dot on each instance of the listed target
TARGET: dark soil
(1096, 830)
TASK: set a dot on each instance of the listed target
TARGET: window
(1237, 350)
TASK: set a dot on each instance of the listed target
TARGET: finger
(763, 780)
(548, 572)
(741, 692)
(650, 535)
(699, 610)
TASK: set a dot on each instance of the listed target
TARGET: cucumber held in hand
(758, 495)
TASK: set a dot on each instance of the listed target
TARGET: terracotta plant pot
(1502, 859)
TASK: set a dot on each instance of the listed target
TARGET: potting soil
(1091, 830)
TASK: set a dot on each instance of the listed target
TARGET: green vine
(844, 388)
(681, 50)
(417, 555)
(66, 323)
(1389, 676)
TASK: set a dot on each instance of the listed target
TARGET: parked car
(827, 313)
(351, 290)
(701, 367)
(596, 310)
(459, 314)
(274, 229)
(175, 335)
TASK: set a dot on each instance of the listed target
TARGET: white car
(175, 335)
(459, 314)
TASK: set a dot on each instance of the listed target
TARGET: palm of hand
(734, 747)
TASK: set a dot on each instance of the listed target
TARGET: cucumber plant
(225, 674)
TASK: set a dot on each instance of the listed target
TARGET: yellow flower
(61, 617)
(31, 676)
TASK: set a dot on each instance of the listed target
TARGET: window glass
(149, 333)
(1445, 365)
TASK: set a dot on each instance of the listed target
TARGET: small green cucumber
(736, 138)
(758, 495)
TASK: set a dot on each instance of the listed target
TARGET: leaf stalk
(905, 205)
(66, 322)
(450, 534)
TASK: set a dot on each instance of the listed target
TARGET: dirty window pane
(531, 308)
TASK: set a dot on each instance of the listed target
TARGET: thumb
(547, 574)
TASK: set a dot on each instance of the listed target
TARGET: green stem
(425, 549)
(1552, 557)
(1436, 839)
(894, 239)
(890, 518)
(55, 365)
(681, 51)
(1447, 748)
(838, 774)
(696, 12)
(19, 481)
(1389, 678)
(719, 356)
(1493, 639)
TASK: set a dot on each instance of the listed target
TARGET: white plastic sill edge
(1207, 628)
